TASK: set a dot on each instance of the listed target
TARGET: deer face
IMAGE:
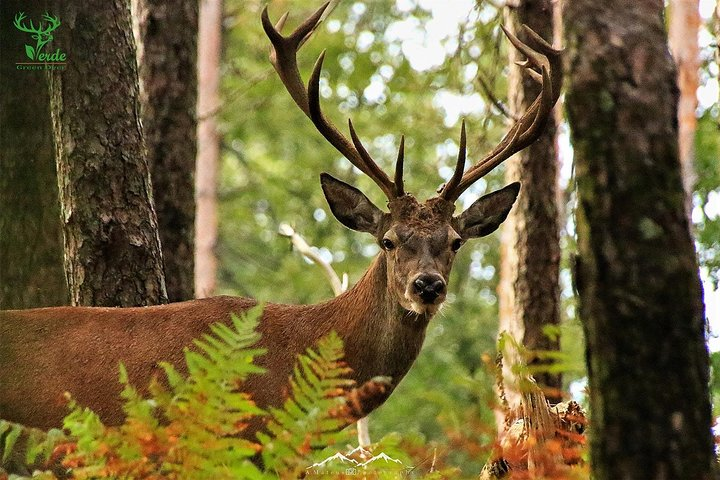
(419, 240)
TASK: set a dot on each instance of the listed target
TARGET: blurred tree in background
(166, 39)
(529, 290)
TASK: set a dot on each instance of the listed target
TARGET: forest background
(415, 69)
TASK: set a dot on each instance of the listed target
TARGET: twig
(494, 100)
(304, 248)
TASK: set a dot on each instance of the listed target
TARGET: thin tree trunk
(166, 36)
(206, 224)
(683, 36)
(637, 274)
(112, 249)
(529, 291)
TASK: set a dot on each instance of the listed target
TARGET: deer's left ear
(350, 205)
(486, 214)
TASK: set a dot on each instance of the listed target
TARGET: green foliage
(189, 426)
(306, 422)
(707, 191)
(27, 447)
(10, 433)
(715, 382)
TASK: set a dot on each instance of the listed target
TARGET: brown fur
(47, 351)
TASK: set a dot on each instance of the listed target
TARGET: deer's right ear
(350, 205)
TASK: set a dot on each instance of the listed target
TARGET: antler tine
(523, 133)
(553, 56)
(284, 50)
(460, 166)
(54, 22)
(399, 185)
(355, 152)
(527, 129)
(283, 56)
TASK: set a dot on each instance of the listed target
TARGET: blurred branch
(306, 250)
(487, 91)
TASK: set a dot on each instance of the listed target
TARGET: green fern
(306, 423)
(10, 432)
(26, 448)
(188, 428)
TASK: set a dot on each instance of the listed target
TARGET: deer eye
(387, 244)
(456, 244)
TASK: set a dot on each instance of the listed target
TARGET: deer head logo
(42, 34)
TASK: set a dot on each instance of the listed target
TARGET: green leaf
(30, 52)
(10, 440)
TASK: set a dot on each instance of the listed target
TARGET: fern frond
(25, 449)
(189, 427)
(306, 422)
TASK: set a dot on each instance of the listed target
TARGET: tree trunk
(684, 26)
(637, 275)
(31, 264)
(167, 52)
(206, 224)
(529, 290)
(112, 249)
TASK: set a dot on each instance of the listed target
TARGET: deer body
(45, 352)
(382, 320)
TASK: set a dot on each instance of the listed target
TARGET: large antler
(540, 55)
(283, 56)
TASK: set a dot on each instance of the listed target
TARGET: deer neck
(381, 337)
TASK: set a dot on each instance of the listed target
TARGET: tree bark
(529, 291)
(112, 249)
(637, 274)
(206, 224)
(683, 35)
(167, 61)
(31, 255)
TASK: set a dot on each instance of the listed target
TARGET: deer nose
(429, 287)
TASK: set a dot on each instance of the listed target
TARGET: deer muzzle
(426, 292)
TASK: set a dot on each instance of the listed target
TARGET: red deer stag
(382, 320)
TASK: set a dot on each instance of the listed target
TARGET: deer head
(419, 239)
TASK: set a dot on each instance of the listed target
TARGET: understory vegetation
(191, 427)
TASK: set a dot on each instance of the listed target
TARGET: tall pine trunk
(529, 290)
(167, 53)
(637, 275)
(31, 255)
(208, 158)
(112, 248)
(684, 25)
